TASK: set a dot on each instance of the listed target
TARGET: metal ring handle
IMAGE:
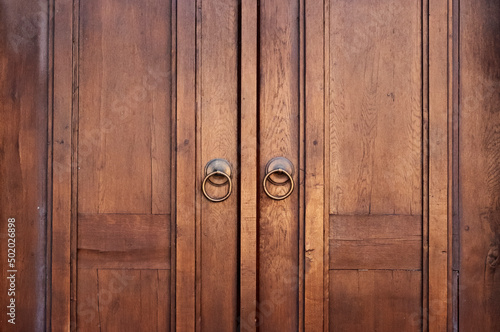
(221, 198)
(264, 184)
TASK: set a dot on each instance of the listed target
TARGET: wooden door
(112, 166)
(380, 107)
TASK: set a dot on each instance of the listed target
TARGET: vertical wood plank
(186, 154)
(438, 164)
(23, 161)
(326, 165)
(314, 166)
(279, 136)
(62, 166)
(160, 87)
(453, 166)
(249, 167)
(164, 300)
(87, 308)
(218, 129)
(479, 166)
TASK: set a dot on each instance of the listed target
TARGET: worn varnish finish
(376, 176)
(121, 187)
(23, 157)
(363, 97)
(479, 181)
(278, 136)
(218, 138)
(249, 168)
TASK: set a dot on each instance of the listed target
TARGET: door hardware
(279, 171)
(218, 172)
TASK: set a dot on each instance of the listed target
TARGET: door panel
(124, 107)
(123, 193)
(376, 300)
(278, 136)
(478, 174)
(358, 95)
(375, 113)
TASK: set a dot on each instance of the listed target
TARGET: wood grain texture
(314, 301)
(439, 113)
(23, 158)
(87, 308)
(218, 70)
(278, 136)
(375, 300)
(479, 180)
(62, 167)
(376, 109)
(106, 298)
(249, 168)
(376, 242)
(121, 290)
(186, 190)
(124, 101)
(124, 241)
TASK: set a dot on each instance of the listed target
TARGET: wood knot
(492, 258)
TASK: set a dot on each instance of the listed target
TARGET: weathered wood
(87, 306)
(249, 167)
(124, 73)
(278, 136)
(124, 241)
(121, 290)
(23, 160)
(479, 181)
(376, 242)
(376, 173)
(375, 300)
(314, 302)
(218, 130)
(439, 113)
(62, 133)
(186, 168)
(376, 109)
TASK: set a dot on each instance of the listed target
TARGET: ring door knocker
(279, 171)
(218, 172)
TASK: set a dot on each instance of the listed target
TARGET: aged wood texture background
(376, 170)
(278, 137)
(23, 157)
(479, 167)
(217, 137)
(123, 148)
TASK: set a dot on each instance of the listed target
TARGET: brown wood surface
(376, 109)
(375, 160)
(479, 181)
(249, 168)
(23, 158)
(438, 183)
(123, 300)
(121, 199)
(62, 168)
(218, 137)
(314, 301)
(376, 242)
(368, 300)
(186, 190)
(124, 94)
(124, 241)
(278, 137)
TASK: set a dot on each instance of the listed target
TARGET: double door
(250, 165)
